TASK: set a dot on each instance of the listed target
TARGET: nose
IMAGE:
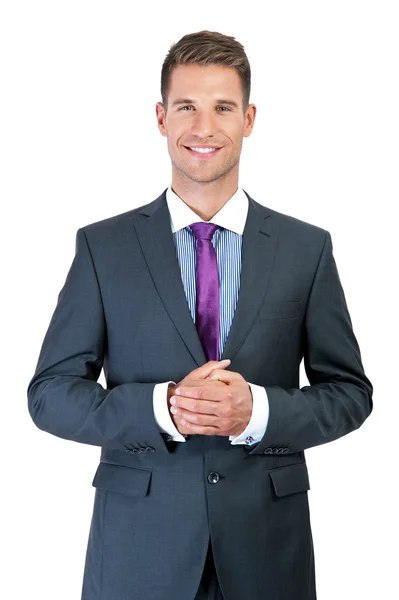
(203, 124)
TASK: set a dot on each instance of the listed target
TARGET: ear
(161, 118)
(250, 115)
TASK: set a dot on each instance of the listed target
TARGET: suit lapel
(155, 236)
(258, 247)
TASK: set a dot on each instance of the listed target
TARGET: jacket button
(213, 477)
(276, 450)
(150, 449)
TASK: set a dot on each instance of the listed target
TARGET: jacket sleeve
(64, 397)
(339, 397)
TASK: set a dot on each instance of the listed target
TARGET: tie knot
(203, 230)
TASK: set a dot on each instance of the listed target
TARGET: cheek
(175, 127)
(234, 133)
(172, 143)
(175, 138)
(237, 135)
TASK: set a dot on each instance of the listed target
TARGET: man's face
(205, 110)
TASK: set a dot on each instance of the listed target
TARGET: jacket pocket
(290, 479)
(280, 310)
(122, 479)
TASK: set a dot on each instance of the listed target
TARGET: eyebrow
(220, 101)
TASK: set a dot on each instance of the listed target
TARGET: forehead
(198, 81)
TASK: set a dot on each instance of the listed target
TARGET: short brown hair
(207, 48)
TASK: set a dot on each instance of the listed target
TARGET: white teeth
(204, 150)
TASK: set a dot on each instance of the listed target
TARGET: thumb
(206, 369)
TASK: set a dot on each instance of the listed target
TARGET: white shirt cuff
(257, 425)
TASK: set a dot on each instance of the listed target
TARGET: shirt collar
(232, 215)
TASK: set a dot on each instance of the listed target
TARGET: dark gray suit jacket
(123, 308)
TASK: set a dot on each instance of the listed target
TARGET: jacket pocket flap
(122, 479)
(290, 479)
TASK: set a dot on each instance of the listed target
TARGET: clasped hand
(211, 401)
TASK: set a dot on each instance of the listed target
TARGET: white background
(79, 142)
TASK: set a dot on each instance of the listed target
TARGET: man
(201, 490)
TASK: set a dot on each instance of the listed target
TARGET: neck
(205, 199)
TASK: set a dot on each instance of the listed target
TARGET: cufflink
(249, 439)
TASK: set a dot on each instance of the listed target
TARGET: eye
(191, 106)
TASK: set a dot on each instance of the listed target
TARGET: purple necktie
(207, 285)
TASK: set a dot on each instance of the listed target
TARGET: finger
(216, 375)
(204, 407)
(213, 391)
(205, 420)
(206, 369)
(207, 389)
(192, 428)
(185, 428)
(189, 428)
(225, 376)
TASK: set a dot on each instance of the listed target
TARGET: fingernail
(177, 392)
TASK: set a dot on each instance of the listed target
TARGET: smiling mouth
(205, 154)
